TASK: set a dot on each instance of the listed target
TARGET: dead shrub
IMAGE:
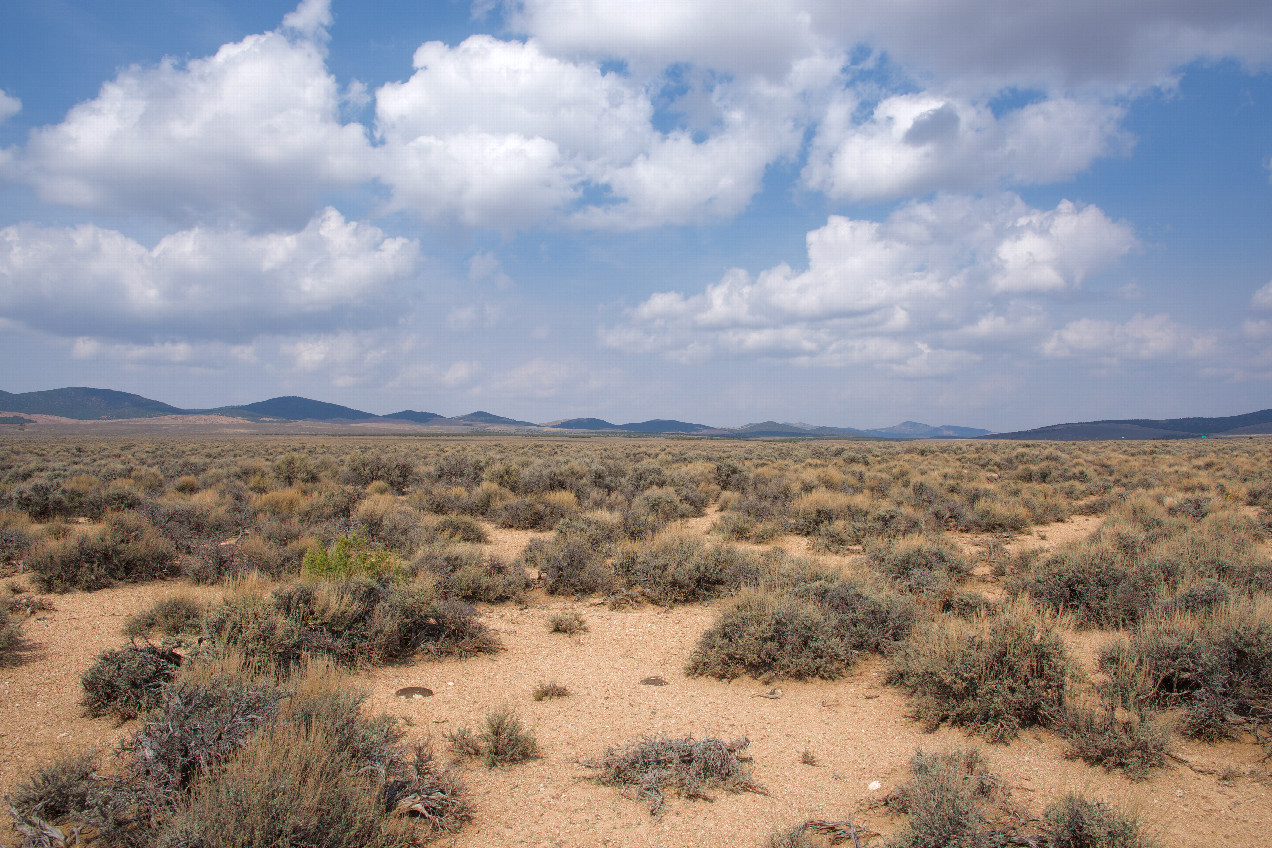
(647, 768)
(550, 689)
(569, 622)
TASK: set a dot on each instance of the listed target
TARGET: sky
(989, 213)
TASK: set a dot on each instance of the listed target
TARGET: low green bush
(1075, 822)
(180, 615)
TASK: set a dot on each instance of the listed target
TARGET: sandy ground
(856, 728)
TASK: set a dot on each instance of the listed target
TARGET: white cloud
(251, 134)
(202, 283)
(895, 292)
(1262, 299)
(9, 106)
(913, 144)
(1142, 337)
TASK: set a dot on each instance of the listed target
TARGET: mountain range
(101, 405)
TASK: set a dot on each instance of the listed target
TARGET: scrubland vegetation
(339, 555)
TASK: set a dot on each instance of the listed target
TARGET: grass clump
(550, 689)
(569, 622)
(128, 682)
(1075, 822)
(649, 767)
(180, 615)
(127, 550)
(504, 741)
(994, 674)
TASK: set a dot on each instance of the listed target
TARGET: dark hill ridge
(412, 415)
(293, 408)
(85, 404)
(1250, 424)
(582, 424)
(480, 417)
(664, 425)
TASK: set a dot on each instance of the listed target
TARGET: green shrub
(127, 550)
(351, 556)
(505, 740)
(1098, 585)
(1075, 822)
(1135, 746)
(867, 617)
(128, 682)
(650, 766)
(994, 674)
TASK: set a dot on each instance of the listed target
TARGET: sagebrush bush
(995, 674)
(649, 767)
(180, 615)
(10, 636)
(944, 799)
(920, 563)
(354, 622)
(568, 622)
(127, 550)
(127, 682)
(569, 566)
(764, 632)
(1216, 663)
(1075, 822)
(1102, 737)
(470, 574)
(679, 568)
(505, 740)
(550, 689)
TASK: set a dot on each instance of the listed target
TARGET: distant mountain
(1250, 424)
(412, 415)
(915, 430)
(85, 404)
(292, 408)
(663, 425)
(480, 417)
(582, 424)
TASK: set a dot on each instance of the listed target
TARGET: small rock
(653, 681)
(875, 786)
(413, 692)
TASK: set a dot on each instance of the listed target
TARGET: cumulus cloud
(1142, 337)
(201, 283)
(251, 134)
(894, 292)
(985, 44)
(914, 144)
(501, 134)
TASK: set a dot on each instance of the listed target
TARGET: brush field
(608, 641)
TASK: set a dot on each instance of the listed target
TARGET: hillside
(85, 404)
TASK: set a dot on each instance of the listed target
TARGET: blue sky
(976, 212)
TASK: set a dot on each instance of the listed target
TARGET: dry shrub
(945, 800)
(457, 528)
(180, 615)
(355, 622)
(470, 574)
(680, 568)
(995, 674)
(550, 689)
(10, 636)
(770, 633)
(920, 563)
(535, 512)
(1105, 738)
(569, 566)
(648, 767)
(1075, 822)
(569, 623)
(127, 550)
(389, 522)
(504, 741)
(1216, 663)
(128, 682)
